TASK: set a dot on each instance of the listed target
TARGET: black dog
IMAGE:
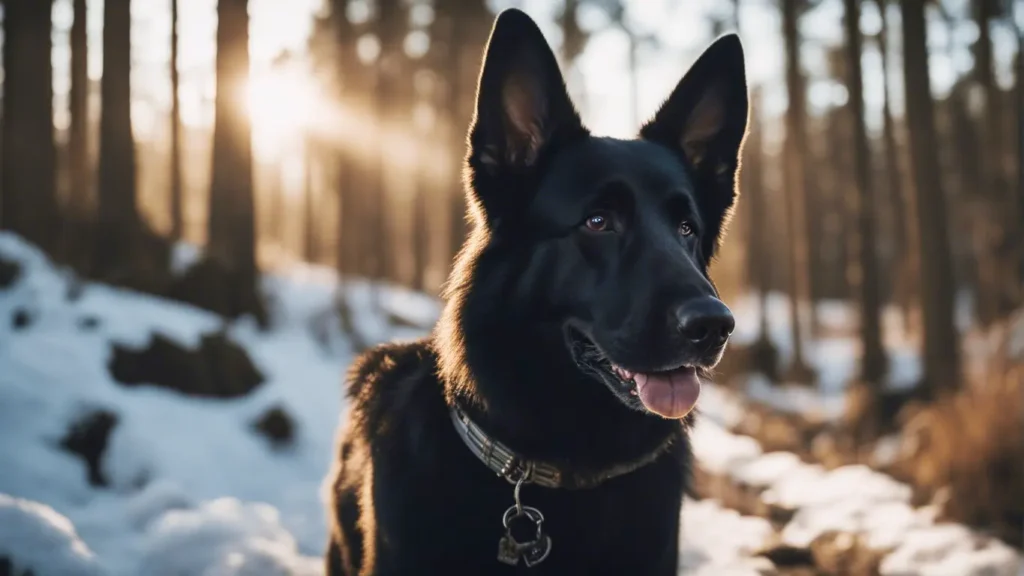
(554, 394)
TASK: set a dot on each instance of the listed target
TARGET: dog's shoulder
(387, 377)
(385, 362)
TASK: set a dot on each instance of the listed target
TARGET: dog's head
(608, 240)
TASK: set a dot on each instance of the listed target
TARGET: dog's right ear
(522, 106)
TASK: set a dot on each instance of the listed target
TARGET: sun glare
(282, 105)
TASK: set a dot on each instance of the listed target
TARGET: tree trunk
(78, 132)
(1020, 149)
(354, 89)
(752, 183)
(1001, 226)
(420, 239)
(834, 242)
(454, 107)
(573, 37)
(968, 186)
(464, 25)
(941, 350)
(873, 360)
(391, 31)
(310, 219)
(278, 205)
(984, 193)
(904, 260)
(231, 238)
(177, 207)
(764, 355)
(29, 206)
(795, 174)
(118, 225)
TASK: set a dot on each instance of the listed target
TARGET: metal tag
(537, 551)
(508, 551)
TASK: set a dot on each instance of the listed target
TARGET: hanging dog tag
(533, 552)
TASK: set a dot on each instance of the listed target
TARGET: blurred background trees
(882, 171)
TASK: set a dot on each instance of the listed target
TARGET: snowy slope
(169, 453)
(860, 504)
(193, 491)
(40, 537)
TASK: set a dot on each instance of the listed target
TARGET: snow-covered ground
(854, 501)
(194, 491)
(185, 474)
(833, 355)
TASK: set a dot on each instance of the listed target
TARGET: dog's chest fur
(408, 497)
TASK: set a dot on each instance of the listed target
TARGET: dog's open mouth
(669, 393)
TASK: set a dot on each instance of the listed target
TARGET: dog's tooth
(622, 372)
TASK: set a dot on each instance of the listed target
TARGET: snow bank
(35, 537)
(715, 541)
(225, 537)
(718, 450)
(852, 500)
(950, 550)
(811, 486)
(167, 453)
(767, 469)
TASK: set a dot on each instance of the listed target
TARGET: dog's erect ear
(706, 116)
(522, 103)
(705, 119)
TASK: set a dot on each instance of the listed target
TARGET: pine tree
(29, 202)
(941, 348)
(873, 360)
(177, 202)
(119, 225)
(794, 154)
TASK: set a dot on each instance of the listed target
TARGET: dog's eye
(685, 229)
(598, 222)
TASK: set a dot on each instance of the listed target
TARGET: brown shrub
(966, 452)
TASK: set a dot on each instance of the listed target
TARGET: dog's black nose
(706, 323)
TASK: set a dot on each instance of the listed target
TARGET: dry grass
(966, 451)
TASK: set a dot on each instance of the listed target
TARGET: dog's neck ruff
(517, 470)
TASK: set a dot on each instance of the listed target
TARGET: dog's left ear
(705, 120)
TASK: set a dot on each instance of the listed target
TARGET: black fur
(538, 307)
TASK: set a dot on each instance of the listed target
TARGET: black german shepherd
(542, 428)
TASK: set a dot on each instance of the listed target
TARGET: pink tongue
(669, 394)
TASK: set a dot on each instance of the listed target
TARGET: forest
(293, 171)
